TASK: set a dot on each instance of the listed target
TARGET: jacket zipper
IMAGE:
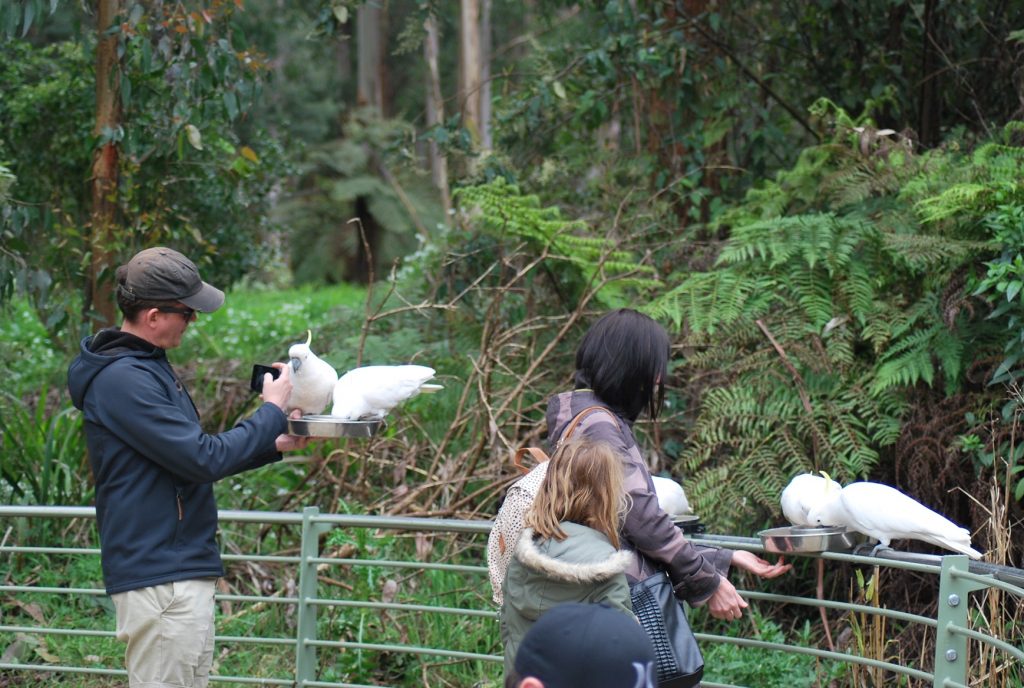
(181, 507)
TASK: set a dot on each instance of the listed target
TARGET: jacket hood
(550, 558)
(99, 351)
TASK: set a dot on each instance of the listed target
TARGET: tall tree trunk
(486, 142)
(470, 73)
(370, 94)
(104, 165)
(370, 84)
(435, 111)
(929, 111)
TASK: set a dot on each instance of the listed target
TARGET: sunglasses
(186, 313)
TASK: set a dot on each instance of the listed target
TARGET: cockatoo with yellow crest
(370, 392)
(885, 514)
(313, 379)
(803, 493)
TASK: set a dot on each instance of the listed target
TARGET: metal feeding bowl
(798, 539)
(332, 426)
(689, 523)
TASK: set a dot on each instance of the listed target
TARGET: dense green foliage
(823, 201)
(189, 174)
(857, 267)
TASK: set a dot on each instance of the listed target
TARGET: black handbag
(679, 662)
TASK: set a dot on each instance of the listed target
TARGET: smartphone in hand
(258, 371)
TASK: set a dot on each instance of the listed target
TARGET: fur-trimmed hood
(584, 567)
(554, 559)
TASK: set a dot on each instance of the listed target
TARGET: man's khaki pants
(169, 631)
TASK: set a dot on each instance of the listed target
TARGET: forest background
(822, 201)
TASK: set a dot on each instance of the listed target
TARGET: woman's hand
(726, 603)
(748, 561)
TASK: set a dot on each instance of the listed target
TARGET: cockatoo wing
(374, 390)
(394, 384)
(886, 514)
(313, 379)
(671, 496)
(803, 493)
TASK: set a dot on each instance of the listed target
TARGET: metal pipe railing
(958, 578)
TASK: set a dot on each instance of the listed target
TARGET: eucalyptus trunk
(470, 72)
(435, 111)
(370, 83)
(104, 165)
(486, 140)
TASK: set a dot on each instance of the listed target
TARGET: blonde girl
(569, 550)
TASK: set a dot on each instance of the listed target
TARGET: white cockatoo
(671, 497)
(313, 379)
(372, 391)
(885, 514)
(803, 493)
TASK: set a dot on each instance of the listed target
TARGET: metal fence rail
(958, 577)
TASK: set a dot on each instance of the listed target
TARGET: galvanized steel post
(305, 653)
(950, 640)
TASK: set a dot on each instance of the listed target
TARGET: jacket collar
(530, 555)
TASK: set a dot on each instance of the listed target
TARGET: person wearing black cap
(578, 645)
(154, 468)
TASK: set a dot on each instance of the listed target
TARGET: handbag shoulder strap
(538, 454)
(579, 417)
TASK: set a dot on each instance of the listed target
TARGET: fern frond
(857, 291)
(922, 251)
(813, 290)
(908, 362)
(707, 300)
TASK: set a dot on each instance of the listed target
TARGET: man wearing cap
(577, 645)
(154, 468)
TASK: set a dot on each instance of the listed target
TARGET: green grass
(761, 668)
(256, 324)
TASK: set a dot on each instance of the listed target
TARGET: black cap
(163, 274)
(587, 646)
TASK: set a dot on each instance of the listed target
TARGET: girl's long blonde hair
(584, 485)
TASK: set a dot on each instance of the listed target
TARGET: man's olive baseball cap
(163, 274)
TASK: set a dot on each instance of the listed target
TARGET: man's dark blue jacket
(153, 464)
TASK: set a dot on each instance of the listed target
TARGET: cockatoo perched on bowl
(803, 493)
(313, 379)
(885, 514)
(372, 391)
(671, 497)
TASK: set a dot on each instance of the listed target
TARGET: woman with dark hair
(621, 365)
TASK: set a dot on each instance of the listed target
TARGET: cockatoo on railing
(802, 494)
(885, 514)
(313, 379)
(671, 497)
(370, 392)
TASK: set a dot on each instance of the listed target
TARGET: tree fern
(505, 212)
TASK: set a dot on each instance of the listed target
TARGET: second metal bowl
(796, 539)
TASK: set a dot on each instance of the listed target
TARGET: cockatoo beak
(295, 363)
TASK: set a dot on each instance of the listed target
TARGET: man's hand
(748, 561)
(291, 442)
(277, 391)
(726, 603)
